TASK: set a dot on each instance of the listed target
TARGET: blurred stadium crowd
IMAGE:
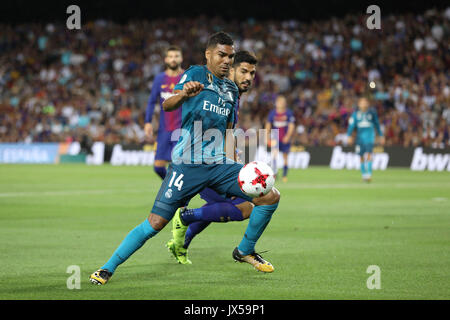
(63, 85)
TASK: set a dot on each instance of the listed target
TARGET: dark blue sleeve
(235, 113)
(154, 94)
(291, 118)
(271, 115)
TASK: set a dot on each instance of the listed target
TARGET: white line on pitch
(66, 193)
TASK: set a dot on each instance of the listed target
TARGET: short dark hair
(219, 38)
(244, 56)
(172, 48)
(364, 95)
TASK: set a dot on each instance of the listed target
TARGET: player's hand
(238, 156)
(382, 140)
(148, 130)
(192, 88)
(350, 140)
(268, 141)
(285, 140)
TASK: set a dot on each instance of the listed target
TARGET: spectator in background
(55, 84)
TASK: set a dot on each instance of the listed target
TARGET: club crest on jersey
(209, 77)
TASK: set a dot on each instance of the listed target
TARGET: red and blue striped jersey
(281, 121)
(162, 89)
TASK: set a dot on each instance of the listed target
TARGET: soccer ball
(256, 179)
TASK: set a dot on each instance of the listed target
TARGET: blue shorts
(184, 181)
(210, 196)
(284, 147)
(164, 146)
(363, 148)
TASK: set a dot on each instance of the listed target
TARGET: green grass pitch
(329, 227)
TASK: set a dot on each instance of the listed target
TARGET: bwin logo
(350, 160)
(430, 162)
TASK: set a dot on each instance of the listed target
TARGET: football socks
(161, 171)
(132, 242)
(258, 221)
(216, 212)
(194, 229)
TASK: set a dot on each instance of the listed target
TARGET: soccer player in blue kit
(162, 88)
(188, 223)
(199, 160)
(365, 121)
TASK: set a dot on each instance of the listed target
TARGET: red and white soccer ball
(256, 179)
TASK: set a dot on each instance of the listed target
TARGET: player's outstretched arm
(153, 99)
(351, 128)
(290, 132)
(190, 89)
(349, 140)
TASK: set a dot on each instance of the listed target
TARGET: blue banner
(29, 153)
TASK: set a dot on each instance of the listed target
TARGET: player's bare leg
(246, 209)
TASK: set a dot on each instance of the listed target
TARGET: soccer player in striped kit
(282, 119)
(168, 121)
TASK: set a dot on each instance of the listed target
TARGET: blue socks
(194, 229)
(366, 168)
(259, 219)
(285, 170)
(133, 241)
(369, 168)
(363, 168)
(161, 171)
(199, 219)
(216, 212)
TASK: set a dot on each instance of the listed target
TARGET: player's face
(220, 59)
(363, 104)
(173, 59)
(243, 76)
(280, 103)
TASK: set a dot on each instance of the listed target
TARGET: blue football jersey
(365, 123)
(205, 118)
